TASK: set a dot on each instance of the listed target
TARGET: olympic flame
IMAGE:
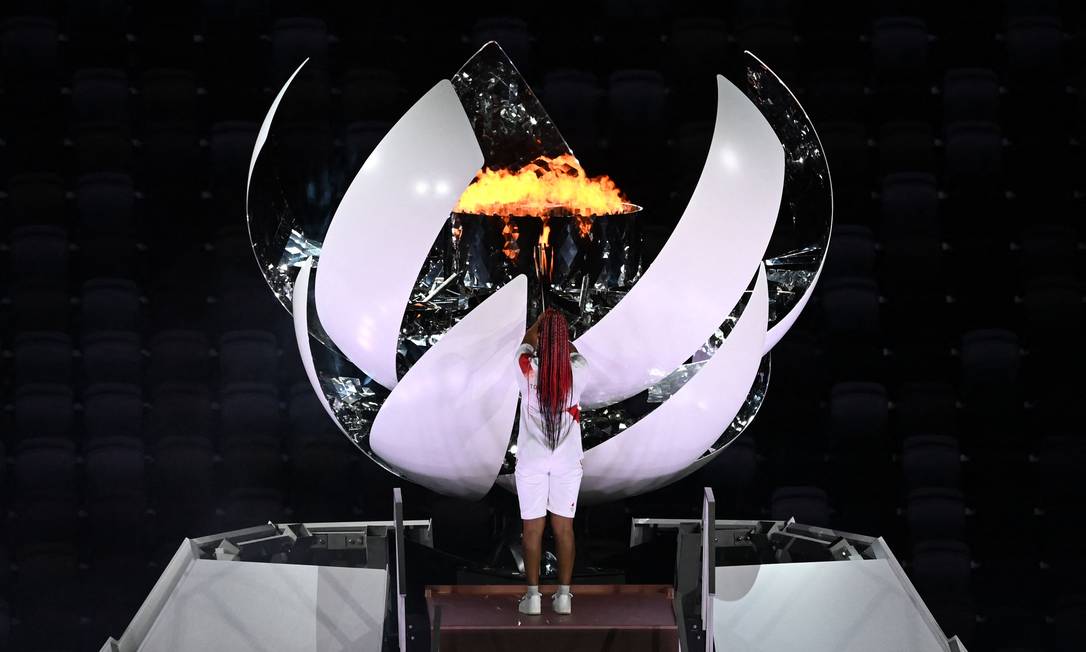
(546, 186)
(543, 188)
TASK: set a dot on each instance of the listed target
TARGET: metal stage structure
(736, 584)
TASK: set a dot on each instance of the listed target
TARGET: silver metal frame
(846, 545)
(189, 551)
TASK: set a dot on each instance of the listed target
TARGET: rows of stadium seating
(152, 386)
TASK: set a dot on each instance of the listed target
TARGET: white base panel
(833, 606)
(241, 606)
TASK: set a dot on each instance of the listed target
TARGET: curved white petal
(446, 425)
(661, 447)
(706, 264)
(385, 225)
(301, 333)
(265, 127)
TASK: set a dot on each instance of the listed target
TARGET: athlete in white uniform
(548, 472)
(548, 480)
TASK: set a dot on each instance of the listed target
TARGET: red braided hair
(555, 380)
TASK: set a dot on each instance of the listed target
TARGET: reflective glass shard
(354, 397)
(295, 182)
(298, 249)
(512, 127)
(802, 232)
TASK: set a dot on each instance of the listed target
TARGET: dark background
(931, 392)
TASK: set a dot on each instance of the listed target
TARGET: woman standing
(548, 474)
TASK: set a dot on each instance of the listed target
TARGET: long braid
(555, 373)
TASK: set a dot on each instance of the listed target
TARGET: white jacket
(532, 448)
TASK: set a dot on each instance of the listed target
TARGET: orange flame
(544, 263)
(546, 186)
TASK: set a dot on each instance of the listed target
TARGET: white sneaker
(562, 603)
(531, 603)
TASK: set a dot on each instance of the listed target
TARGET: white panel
(385, 225)
(706, 264)
(826, 606)
(301, 334)
(447, 424)
(242, 606)
(661, 446)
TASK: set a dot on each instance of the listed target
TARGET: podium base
(484, 618)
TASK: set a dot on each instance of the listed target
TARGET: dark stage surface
(621, 617)
(929, 393)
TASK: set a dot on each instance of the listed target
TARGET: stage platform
(484, 618)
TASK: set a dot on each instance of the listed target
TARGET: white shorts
(540, 490)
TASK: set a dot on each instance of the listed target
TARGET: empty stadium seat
(808, 505)
(1047, 250)
(941, 569)
(248, 356)
(371, 94)
(250, 409)
(115, 493)
(909, 207)
(106, 203)
(247, 507)
(899, 48)
(231, 148)
(836, 94)
(44, 410)
(850, 306)
(974, 156)
(931, 461)
(179, 355)
(182, 483)
(970, 94)
(169, 95)
(42, 357)
(852, 253)
(636, 101)
(180, 409)
(110, 304)
(294, 40)
(858, 419)
(112, 410)
(1034, 50)
(252, 461)
(104, 146)
(37, 308)
(935, 513)
(117, 584)
(99, 94)
(511, 33)
(698, 45)
(906, 146)
(321, 477)
(112, 357)
(572, 99)
(171, 164)
(48, 596)
(36, 198)
(32, 60)
(990, 361)
(307, 418)
(39, 255)
(925, 407)
(1053, 310)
